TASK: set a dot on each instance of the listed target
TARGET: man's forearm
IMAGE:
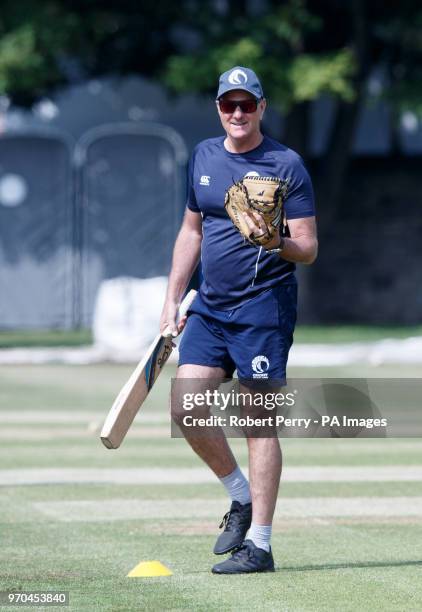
(185, 259)
(302, 249)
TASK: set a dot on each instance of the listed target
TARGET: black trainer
(246, 559)
(236, 523)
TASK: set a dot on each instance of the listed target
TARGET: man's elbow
(311, 255)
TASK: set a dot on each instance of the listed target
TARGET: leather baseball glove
(263, 194)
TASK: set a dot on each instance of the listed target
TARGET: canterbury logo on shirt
(205, 180)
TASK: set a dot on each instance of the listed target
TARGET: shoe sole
(270, 569)
(227, 550)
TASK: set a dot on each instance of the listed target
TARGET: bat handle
(183, 308)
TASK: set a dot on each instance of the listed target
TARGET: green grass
(88, 451)
(304, 333)
(20, 496)
(352, 333)
(321, 568)
(348, 563)
(44, 338)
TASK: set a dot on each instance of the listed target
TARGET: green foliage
(274, 48)
(44, 44)
(399, 31)
(193, 72)
(407, 96)
(286, 80)
(312, 75)
(20, 64)
(301, 49)
(290, 23)
(31, 49)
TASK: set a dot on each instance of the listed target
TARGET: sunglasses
(246, 106)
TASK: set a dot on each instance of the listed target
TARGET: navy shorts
(253, 339)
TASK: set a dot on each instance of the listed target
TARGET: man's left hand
(258, 227)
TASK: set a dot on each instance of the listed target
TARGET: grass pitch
(303, 333)
(84, 537)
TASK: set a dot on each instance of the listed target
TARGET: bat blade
(136, 389)
(134, 392)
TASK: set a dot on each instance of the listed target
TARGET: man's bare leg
(212, 449)
(265, 462)
(264, 472)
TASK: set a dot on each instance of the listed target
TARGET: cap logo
(237, 77)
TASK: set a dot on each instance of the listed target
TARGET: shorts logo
(205, 180)
(260, 365)
(251, 173)
(237, 77)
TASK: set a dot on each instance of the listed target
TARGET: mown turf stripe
(72, 417)
(90, 431)
(322, 507)
(201, 475)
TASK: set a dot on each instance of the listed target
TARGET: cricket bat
(140, 383)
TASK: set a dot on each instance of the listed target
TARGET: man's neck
(237, 146)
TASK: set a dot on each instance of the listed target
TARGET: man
(246, 307)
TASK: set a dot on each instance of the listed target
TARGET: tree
(46, 44)
(303, 50)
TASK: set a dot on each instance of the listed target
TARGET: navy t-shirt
(235, 271)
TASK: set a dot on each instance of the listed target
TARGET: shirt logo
(205, 180)
(237, 77)
(251, 173)
(260, 365)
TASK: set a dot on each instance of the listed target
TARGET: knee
(177, 411)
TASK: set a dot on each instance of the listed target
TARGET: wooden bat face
(134, 392)
(140, 383)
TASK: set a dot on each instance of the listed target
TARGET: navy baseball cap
(240, 78)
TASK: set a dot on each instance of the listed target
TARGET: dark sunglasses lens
(246, 106)
(227, 106)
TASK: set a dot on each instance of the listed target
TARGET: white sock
(237, 486)
(260, 536)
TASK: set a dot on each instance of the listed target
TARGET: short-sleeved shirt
(234, 271)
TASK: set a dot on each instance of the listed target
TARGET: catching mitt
(263, 194)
